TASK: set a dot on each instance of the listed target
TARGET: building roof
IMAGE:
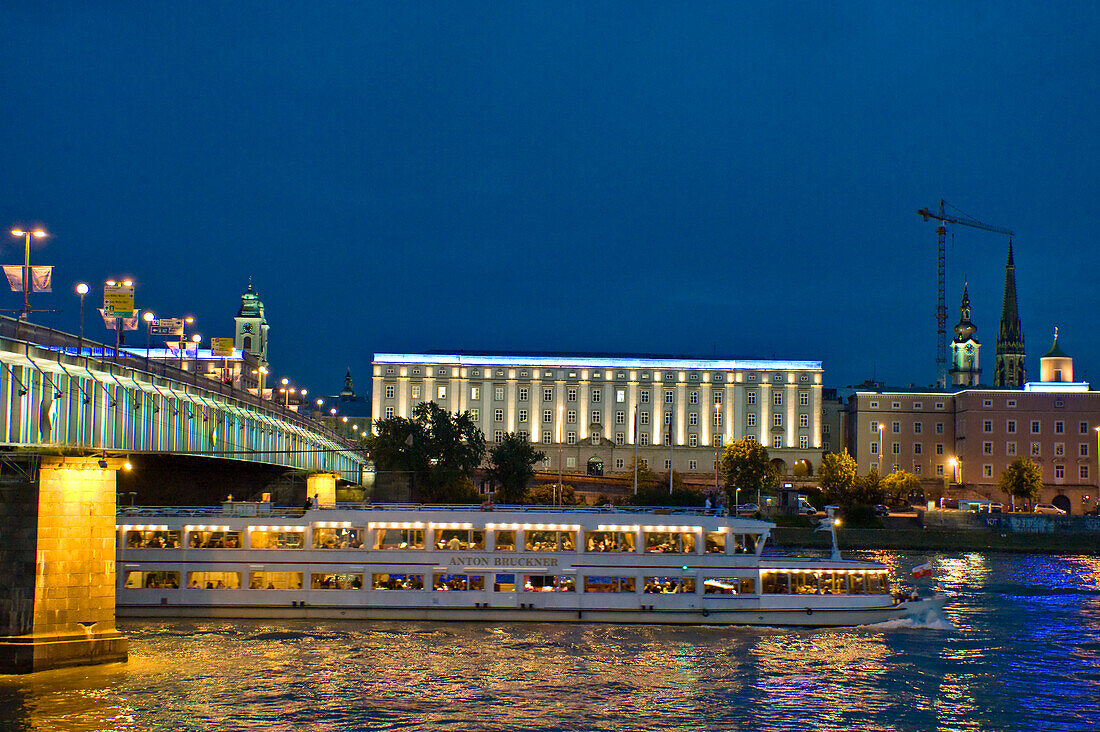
(592, 360)
(1055, 351)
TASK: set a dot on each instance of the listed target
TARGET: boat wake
(931, 620)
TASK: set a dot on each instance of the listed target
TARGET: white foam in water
(930, 621)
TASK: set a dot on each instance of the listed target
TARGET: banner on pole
(128, 323)
(14, 274)
(221, 347)
(42, 278)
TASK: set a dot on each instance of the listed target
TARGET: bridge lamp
(27, 233)
(345, 419)
(82, 290)
(332, 411)
(127, 465)
(148, 317)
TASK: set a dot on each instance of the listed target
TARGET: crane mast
(943, 219)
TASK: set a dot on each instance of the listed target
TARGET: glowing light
(82, 289)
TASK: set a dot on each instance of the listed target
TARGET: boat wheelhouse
(608, 564)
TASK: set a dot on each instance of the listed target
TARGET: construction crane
(944, 218)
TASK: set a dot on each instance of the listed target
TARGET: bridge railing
(61, 342)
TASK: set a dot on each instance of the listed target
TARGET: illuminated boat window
(505, 541)
(729, 586)
(338, 538)
(609, 584)
(550, 541)
(670, 542)
(609, 541)
(458, 582)
(275, 581)
(399, 539)
(277, 539)
(548, 583)
(153, 539)
(805, 582)
(325, 581)
(455, 540)
(159, 580)
(668, 585)
(397, 581)
(714, 542)
(203, 539)
(504, 583)
(214, 580)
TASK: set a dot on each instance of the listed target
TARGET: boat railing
(259, 509)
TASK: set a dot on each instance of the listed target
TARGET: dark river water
(1018, 647)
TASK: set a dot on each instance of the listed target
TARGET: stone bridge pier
(57, 563)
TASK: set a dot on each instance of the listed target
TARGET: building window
(1010, 426)
(803, 420)
(475, 414)
(918, 405)
(895, 448)
(939, 448)
(987, 471)
(939, 470)
(523, 415)
(668, 465)
(895, 405)
(987, 448)
(416, 391)
(987, 425)
(750, 397)
(693, 397)
(547, 416)
(571, 438)
(643, 396)
(595, 416)
(1059, 472)
(717, 440)
(389, 412)
(643, 463)
(571, 395)
(620, 396)
(442, 392)
(668, 438)
(777, 398)
(750, 420)
(917, 427)
(571, 416)
(717, 419)
(824, 429)
(620, 417)
(1059, 449)
(595, 437)
(693, 440)
(524, 435)
(718, 397)
(498, 415)
(1035, 449)
(523, 393)
(669, 396)
(1083, 428)
(874, 426)
(874, 448)
(917, 448)
(895, 427)
(693, 419)
(1010, 403)
(692, 464)
(987, 402)
(498, 436)
(939, 405)
(475, 393)
(643, 418)
(804, 398)
(1010, 449)
(916, 468)
(803, 442)
(777, 441)
(939, 428)
(389, 370)
(1082, 449)
(1083, 472)
(777, 420)
(416, 371)
(1034, 426)
(750, 438)
(874, 405)
(596, 396)
(547, 438)
(498, 393)
(548, 394)
(619, 463)
(389, 391)
(620, 438)
(1059, 427)
(643, 440)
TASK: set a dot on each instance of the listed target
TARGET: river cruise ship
(385, 562)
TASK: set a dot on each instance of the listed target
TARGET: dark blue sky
(682, 178)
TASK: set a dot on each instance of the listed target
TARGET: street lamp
(148, 317)
(880, 456)
(82, 290)
(187, 320)
(27, 234)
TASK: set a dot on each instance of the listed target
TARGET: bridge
(82, 398)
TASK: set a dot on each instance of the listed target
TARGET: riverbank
(960, 540)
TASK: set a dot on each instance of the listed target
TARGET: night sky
(674, 178)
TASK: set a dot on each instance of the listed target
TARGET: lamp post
(880, 457)
(82, 290)
(148, 317)
(27, 234)
(260, 372)
(561, 484)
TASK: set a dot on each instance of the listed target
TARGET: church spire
(965, 369)
(1008, 366)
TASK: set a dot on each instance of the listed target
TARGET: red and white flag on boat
(922, 570)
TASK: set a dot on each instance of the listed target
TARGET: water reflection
(1023, 654)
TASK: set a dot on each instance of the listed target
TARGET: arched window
(247, 344)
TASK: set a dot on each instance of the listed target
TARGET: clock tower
(251, 326)
(964, 348)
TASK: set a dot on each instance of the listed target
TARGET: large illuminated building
(589, 413)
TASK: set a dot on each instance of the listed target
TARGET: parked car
(1049, 508)
(747, 509)
(996, 508)
(882, 510)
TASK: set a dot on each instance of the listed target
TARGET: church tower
(1008, 363)
(251, 332)
(964, 348)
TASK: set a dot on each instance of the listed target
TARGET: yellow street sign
(221, 347)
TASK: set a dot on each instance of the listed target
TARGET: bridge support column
(57, 567)
(322, 486)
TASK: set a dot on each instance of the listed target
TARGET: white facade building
(592, 409)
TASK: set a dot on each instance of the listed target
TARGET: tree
(545, 494)
(654, 492)
(1022, 479)
(436, 449)
(838, 475)
(746, 467)
(898, 485)
(866, 490)
(512, 466)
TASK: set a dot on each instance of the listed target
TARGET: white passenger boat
(615, 565)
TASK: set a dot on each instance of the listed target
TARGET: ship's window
(715, 542)
(609, 541)
(399, 539)
(277, 539)
(744, 543)
(342, 538)
(214, 580)
(455, 540)
(729, 586)
(609, 584)
(505, 583)
(397, 581)
(834, 583)
(214, 539)
(153, 539)
(275, 581)
(159, 580)
(458, 582)
(548, 583)
(336, 581)
(505, 541)
(550, 541)
(775, 583)
(666, 542)
(856, 584)
(669, 585)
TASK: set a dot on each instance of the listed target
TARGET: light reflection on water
(1023, 653)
